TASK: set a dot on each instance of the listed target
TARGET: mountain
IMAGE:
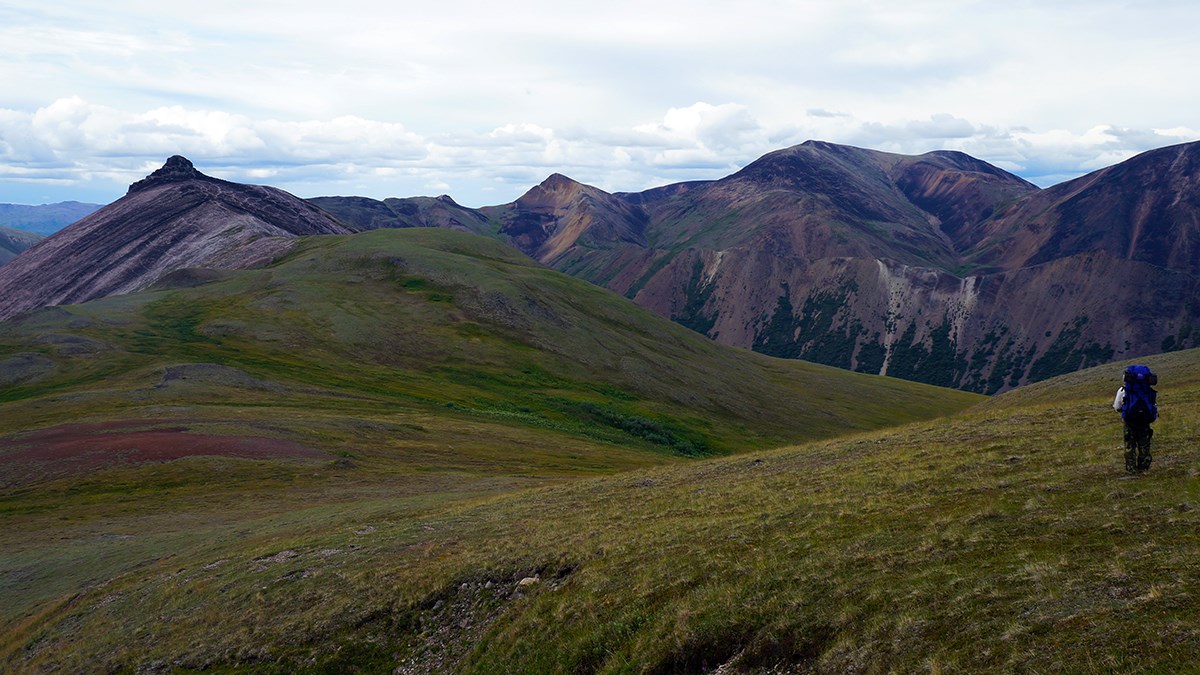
(13, 242)
(363, 213)
(175, 218)
(1143, 210)
(939, 267)
(560, 214)
(44, 218)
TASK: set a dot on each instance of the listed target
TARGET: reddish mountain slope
(175, 218)
(1146, 209)
(939, 268)
(560, 214)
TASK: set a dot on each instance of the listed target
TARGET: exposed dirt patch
(450, 623)
(72, 449)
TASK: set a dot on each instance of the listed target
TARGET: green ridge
(466, 399)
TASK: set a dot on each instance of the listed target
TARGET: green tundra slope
(1003, 539)
(361, 384)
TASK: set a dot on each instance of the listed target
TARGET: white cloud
(486, 98)
(74, 142)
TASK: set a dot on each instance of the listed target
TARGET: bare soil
(72, 449)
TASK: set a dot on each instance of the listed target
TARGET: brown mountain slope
(1146, 209)
(560, 214)
(939, 267)
(959, 190)
(175, 218)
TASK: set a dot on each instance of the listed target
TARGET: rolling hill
(390, 374)
(1003, 538)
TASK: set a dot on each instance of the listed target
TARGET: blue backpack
(1141, 406)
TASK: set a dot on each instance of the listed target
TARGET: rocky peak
(557, 181)
(177, 168)
(557, 190)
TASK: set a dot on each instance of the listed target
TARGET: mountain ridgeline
(938, 268)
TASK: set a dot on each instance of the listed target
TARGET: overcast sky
(482, 100)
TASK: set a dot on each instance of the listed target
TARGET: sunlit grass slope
(1003, 539)
(432, 368)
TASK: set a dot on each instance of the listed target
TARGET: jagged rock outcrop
(173, 219)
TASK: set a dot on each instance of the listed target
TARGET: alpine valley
(242, 431)
(938, 268)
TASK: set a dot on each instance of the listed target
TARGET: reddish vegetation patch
(79, 448)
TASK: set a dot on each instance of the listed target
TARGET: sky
(483, 100)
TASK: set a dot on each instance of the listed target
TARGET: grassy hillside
(423, 318)
(1005, 538)
(361, 384)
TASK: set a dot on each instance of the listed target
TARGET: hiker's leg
(1130, 450)
(1144, 459)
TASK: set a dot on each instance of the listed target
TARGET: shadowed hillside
(12, 242)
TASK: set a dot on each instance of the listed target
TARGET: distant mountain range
(938, 268)
(44, 218)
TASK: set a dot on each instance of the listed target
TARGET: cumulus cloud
(72, 133)
(72, 142)
(483, 99)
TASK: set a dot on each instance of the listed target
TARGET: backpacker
(1140, 405)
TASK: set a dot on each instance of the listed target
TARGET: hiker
(1136, 401)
